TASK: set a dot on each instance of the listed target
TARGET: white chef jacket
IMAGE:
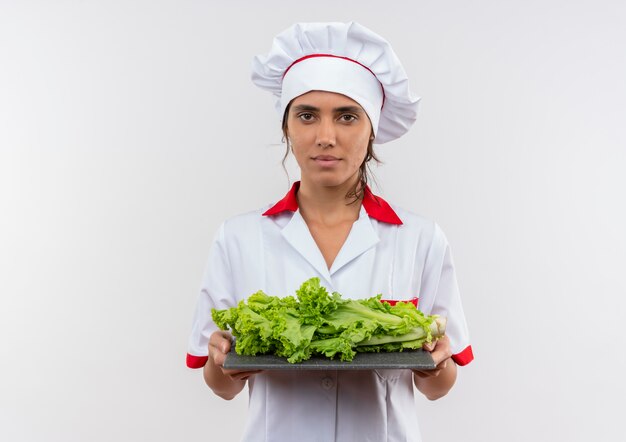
(388, 251)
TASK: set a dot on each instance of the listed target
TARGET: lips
(326, 161)
(325, 158)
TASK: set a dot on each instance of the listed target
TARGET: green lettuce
(316, 322)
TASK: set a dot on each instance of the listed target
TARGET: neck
(328, 204)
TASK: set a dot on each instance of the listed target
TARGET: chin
(333, 181)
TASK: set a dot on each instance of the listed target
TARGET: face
(329, 134)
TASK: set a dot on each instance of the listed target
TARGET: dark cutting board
(409, 359)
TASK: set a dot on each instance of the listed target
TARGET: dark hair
(365, 172)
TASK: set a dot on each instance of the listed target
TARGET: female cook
(340, 89)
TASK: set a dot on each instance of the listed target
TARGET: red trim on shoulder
(392, 302)
(196, 361)
(375, 206)
(465, 357)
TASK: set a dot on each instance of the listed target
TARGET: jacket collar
(375, 206)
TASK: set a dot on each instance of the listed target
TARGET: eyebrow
(309, 108)
(352, 109)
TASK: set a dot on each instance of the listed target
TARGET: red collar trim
(379, 209)
(375, 206)
(288, 203)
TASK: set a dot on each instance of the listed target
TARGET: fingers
(427, 373)
(429, 346)
(439, 349)
(221, 340)
(219, 346)
(432, 373)
(440, 357)
(440, 352)
(240, 375)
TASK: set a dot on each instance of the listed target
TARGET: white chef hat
(346, 58)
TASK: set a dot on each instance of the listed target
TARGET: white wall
(130, 129)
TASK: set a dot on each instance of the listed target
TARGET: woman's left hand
(441, 354)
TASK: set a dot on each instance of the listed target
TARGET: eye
(306, 116)
(347, 118)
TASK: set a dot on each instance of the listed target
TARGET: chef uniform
(388, 251)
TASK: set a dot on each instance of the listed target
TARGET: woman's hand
(224, 382)
(219, 346)
(441, 353)
(436, 383)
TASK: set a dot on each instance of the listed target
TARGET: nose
(326, 134)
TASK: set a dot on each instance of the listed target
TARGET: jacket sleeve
(216, 292)
(440, 296)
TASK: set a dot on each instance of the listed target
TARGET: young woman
(340, 89)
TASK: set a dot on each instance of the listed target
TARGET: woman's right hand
(219, 346)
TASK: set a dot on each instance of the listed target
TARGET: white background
(129, 130)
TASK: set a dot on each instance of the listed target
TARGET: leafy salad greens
(316, 322)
